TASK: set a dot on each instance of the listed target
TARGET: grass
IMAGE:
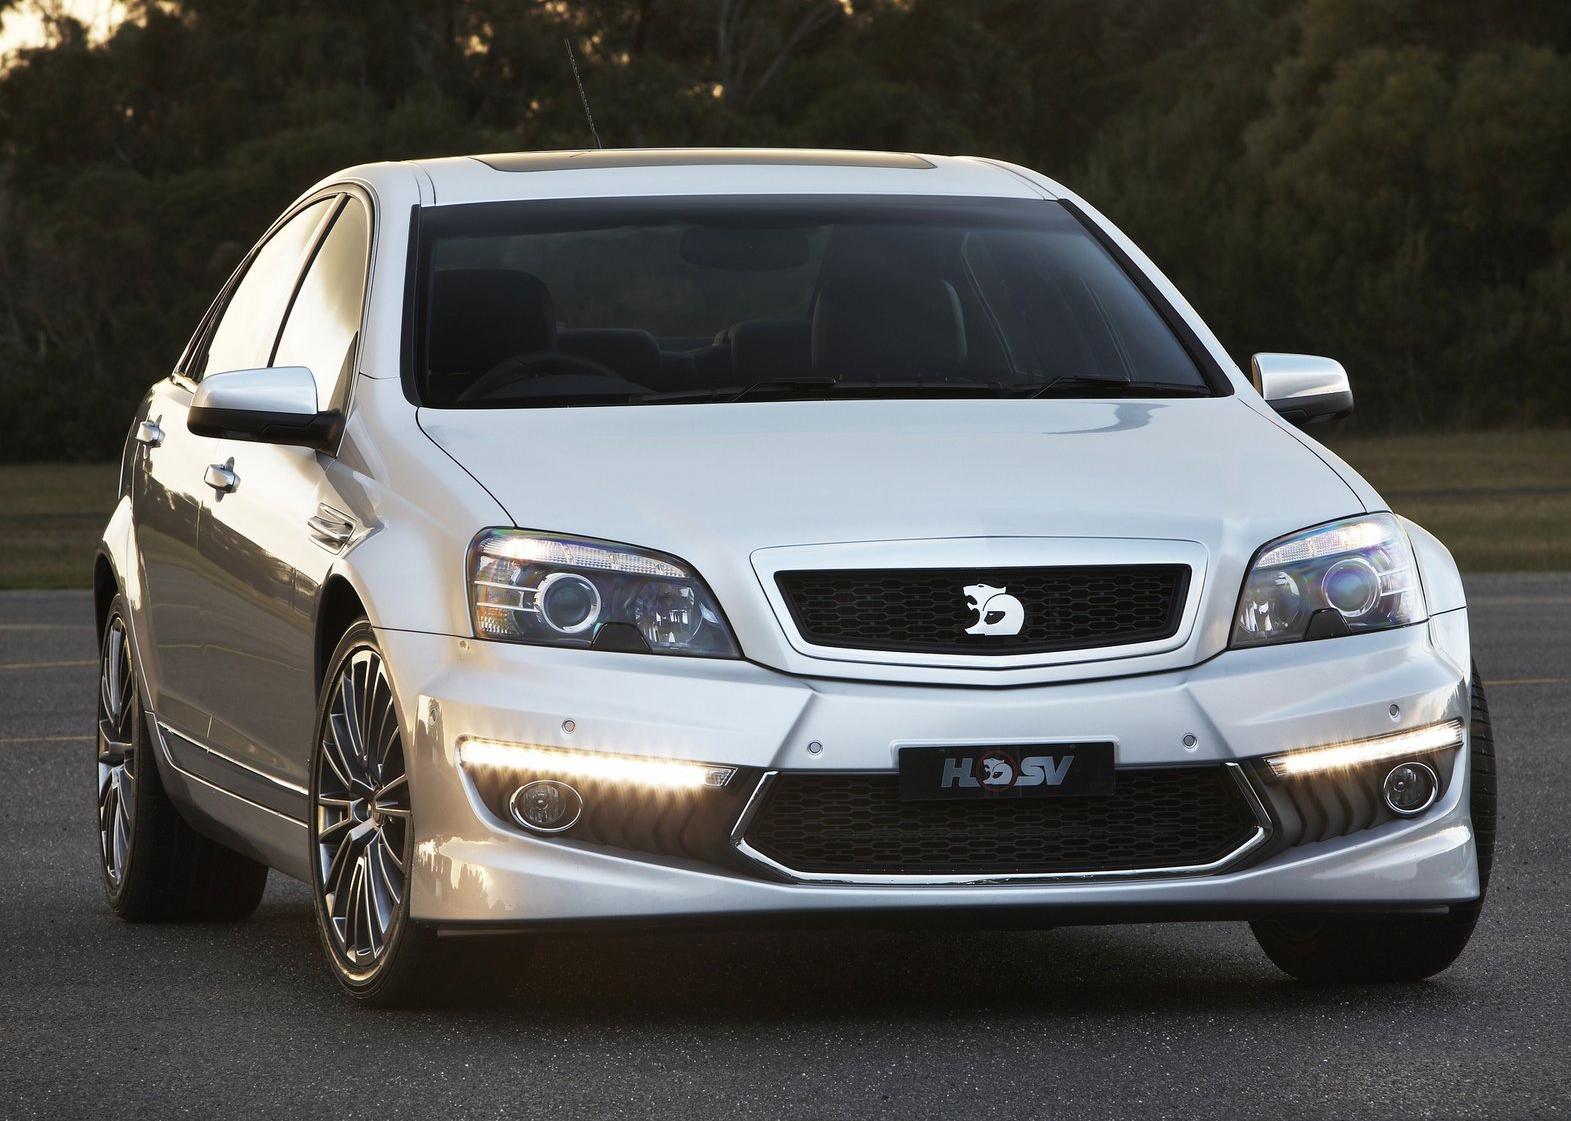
(51, 516)
(1500, 500)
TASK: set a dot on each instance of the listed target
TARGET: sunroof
(698, 157)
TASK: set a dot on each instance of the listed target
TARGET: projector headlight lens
(563, 591)
(1362, 569)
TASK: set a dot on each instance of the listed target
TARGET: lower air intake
(857, 825)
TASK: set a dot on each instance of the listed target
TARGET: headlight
(570, 591)
(1343, 578)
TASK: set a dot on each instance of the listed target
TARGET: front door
(202, 595)
(258, 543)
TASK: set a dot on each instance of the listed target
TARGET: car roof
(633, 172)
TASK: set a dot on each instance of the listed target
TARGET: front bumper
(472, 870)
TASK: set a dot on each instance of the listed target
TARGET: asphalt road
(104, 1018)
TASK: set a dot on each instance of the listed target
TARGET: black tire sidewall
(142, 806)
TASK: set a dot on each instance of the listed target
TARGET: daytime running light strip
(1335, 756)
(577, 554)
(663, 774)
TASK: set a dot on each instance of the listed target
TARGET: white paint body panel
(739, 491)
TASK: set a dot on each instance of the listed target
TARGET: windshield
(654, 301)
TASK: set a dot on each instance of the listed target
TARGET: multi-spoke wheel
(362, 836)
(362, 846)
(156, 868)
(362, 812)
(117, 763)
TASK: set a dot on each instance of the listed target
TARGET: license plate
(1056, 770)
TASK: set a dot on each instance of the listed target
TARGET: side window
(325, 318)
(248, 324)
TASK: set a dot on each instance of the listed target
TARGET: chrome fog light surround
(1410, 788)
(1375, 749)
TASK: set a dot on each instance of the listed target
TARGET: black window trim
(196, 350)
(352, 192)
(1211, 371)
(312, 252)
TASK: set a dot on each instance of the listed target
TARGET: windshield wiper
(823, 389)
(1076, 385)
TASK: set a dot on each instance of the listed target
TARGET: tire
(154, 866)
(362, 847)
(1397, 947)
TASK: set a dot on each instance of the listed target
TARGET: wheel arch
(339, 606)
(1437, 569)
(106, 585)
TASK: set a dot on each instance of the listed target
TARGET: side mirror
(269, 406)
(1302, 388)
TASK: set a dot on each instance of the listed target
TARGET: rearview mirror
(745, 250)
(1302, 388)
(276, 405)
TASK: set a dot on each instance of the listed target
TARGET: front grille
(928, 610)
(857, 824)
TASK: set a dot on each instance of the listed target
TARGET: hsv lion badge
(997, 612)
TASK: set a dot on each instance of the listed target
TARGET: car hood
(713, 484)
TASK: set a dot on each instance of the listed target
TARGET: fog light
(546, 806)
(1410, 788)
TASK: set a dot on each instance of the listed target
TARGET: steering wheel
(535, 364)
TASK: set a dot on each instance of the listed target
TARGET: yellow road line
(46, 626)
(46, 739)
(44, 665)
(1528, 681)
(1517, 601)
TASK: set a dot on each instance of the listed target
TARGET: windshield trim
(1211, 371)
(547, 211)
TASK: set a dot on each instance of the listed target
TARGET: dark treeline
(1385, 181)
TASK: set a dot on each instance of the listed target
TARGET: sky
(23, 25)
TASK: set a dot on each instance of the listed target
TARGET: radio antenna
(582, 96)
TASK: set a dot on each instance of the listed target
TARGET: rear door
(271, 540)
(166, 480)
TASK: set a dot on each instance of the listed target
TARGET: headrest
(629, 351)
(771, 348)
(882, 324)
(481, 316)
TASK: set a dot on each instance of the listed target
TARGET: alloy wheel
(117, 763)
(362, 813)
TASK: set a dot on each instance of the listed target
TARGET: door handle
(149, 435)
(221, 477)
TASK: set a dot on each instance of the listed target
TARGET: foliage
(1382, 180)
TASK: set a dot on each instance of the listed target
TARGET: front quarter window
(248, 325)
(324, 319)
